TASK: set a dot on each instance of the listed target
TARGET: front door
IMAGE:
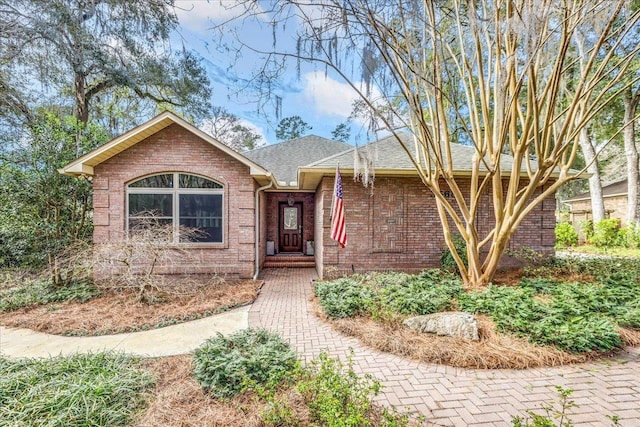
(291, 227)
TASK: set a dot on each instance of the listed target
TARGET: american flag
(338, 232)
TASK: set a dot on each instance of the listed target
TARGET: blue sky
(319, 99)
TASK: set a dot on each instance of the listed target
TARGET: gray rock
(454, 324)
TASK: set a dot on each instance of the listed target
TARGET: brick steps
(289, 261)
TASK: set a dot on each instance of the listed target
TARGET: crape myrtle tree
(498, 75)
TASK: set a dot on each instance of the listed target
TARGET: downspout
(257, 227)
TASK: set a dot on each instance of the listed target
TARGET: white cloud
(330, 97)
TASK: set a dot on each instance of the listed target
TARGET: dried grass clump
(181, 402)
(630, 337)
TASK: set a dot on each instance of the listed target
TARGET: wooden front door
(291, 227)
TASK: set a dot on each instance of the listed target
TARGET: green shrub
(337, 396)
(39, 292)
(101, 389)
(345, 297)
(552, 414)
(576, 318)
(606, 233)
(576, 334)
(446, 258)
(249, 359)
(586, 227)
(429, 292)
(631, 235)
(566, 235)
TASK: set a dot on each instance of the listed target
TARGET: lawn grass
(103, 389)
(606, 251)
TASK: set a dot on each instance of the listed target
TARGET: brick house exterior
(277, 199)
(615, 198)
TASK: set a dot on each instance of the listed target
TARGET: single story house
(615, 197)
(277, 200)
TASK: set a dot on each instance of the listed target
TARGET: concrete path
(452, 396)
(167, 341)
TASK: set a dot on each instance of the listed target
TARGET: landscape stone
(454, 324)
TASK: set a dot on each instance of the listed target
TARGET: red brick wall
(397, 227)
(174, 149)
(318, 226)
(273, 215)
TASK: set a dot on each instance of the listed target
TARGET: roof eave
(309, 177)
(84, 166)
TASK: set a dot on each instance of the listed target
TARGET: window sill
(200, 245)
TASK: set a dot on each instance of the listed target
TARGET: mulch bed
(120, 311)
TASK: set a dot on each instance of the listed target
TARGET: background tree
(631, 101)
(498, 75)
(342, 132)
(291, 127)
(72, 73)
(228, 129)
(41, 211)
(82, 50)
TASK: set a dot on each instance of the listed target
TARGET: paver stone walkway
(445, 395)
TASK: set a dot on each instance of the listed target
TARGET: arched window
(179, 199)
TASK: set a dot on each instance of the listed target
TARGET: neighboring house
(277, 199)
(615, 204)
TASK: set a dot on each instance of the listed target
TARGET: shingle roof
(389, 154)
(619, 188)
(283, 159)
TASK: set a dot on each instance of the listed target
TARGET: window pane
(192, 181)
(160, 205)
(155, 181)
(204, 213)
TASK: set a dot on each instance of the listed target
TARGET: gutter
(257, 227)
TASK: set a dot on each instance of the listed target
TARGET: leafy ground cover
(82, 309)
(84, 390)
(565, 311)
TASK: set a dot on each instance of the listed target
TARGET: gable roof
(85, 164)
(283, 159)
(620, 188)
(390, 158)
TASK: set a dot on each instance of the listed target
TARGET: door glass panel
(290, 218)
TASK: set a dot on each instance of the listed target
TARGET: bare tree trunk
(82, 109)
(631, 101)
(595, 184)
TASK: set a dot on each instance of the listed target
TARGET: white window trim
(175, 192)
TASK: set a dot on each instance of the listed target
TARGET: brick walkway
(445, 395)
